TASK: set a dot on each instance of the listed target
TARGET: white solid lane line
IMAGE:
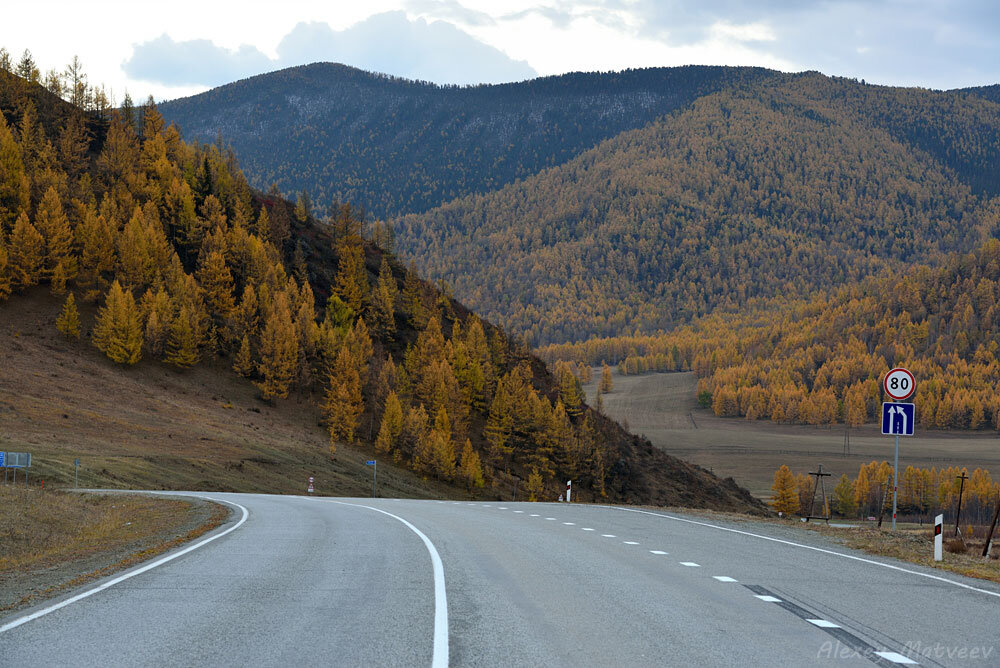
(823, 624)
(724, 578)
(131, 574)
(690, 563)
(440, 656)
(769, 599)
(808, 547)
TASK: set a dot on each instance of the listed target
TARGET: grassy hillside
(393, 146)
(779, 189)
(160, 255)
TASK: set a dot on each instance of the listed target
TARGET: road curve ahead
(294, 581)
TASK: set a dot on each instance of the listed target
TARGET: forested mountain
(392, 146)
(820, 361)
(796, 183)
(189, 265)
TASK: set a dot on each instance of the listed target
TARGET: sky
(179, 48)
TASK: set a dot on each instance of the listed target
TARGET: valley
(662, 408)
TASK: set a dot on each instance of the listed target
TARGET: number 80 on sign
(898, 384)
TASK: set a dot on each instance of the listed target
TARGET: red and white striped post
(311, 489)
(569, 490)
(938, 527)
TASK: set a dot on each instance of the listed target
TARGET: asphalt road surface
(293, 581)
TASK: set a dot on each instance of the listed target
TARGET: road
(360, 582)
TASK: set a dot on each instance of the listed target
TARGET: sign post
(569, 491)
(311, 488)
(374, 464)
(76, 473)
(938, 526)
(899, 385)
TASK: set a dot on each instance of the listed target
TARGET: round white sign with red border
(898, 383)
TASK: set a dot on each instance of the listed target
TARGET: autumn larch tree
(117, 331)
(243, 364)
(785, 498)
(392, 425)
(68, 321)
(343, 403)
(470, 470)
(384, 303)
(25, 258)
(606, 383)
(279, 351)
(182, 342)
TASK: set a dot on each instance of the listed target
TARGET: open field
(153, 427)
(662, 407)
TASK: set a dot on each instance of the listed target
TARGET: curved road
(357, 582)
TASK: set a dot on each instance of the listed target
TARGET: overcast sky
(182, 47)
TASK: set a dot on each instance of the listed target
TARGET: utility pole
(989, 536)
(961, 488)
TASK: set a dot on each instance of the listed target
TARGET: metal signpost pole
(374, 477)
(895, 482)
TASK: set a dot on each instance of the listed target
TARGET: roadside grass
(916, 545)
(51, 540)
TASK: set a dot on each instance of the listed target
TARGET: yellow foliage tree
(343, 404)
(117, 331)
(392, 425)
(785, 498)
(279, 351)
(470, 469)
(68, 321)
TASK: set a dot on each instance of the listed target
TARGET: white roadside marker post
(938, 526)
(569, 490)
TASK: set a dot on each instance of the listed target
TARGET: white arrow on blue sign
(897, 419)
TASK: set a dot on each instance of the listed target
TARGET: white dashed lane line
(630, 542)
(724, 578)
(896, 657)
(518, 511)
(587, 529)
(608, 535)
(550, 518)
(769, 599)
(823, 624)
(535, 515)
(691, 564)
(658, 552)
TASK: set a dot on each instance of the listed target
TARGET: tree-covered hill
(796, 183)
(392, 146)
(159, 250)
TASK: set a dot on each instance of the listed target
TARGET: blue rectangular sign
(3, 456)
(370, 462)
(897, 419)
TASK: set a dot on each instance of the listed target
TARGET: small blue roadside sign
(370, 462)
(897, 419)
(3, 457)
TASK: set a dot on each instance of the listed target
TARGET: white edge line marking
(440, 659)
(131, 574)
(895, 657)
(811, 547)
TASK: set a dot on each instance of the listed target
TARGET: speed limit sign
(898, 384)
